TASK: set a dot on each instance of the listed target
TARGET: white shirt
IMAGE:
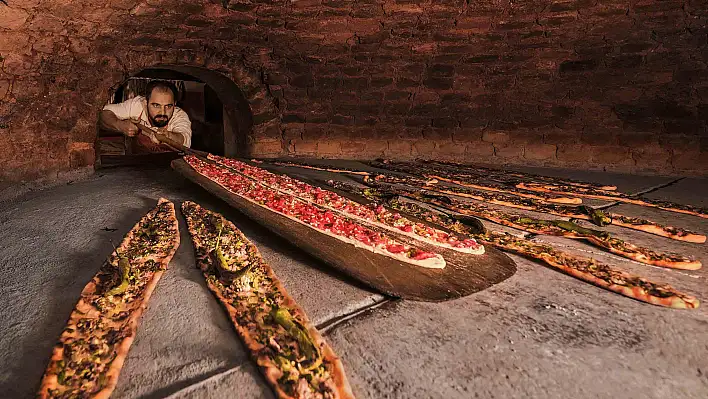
(136, 108)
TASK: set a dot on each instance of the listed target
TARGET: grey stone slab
(241, 381)
(538, 334)
(53, 243)
(688, 191)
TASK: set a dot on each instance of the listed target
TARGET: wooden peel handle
(168, 141)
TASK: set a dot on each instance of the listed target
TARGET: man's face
(161, 106)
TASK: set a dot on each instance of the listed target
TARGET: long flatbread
(95, 342)
(558, 228)
(377, 215)
(509, 176)
(585, 269)
(291, 354)
(558, 189)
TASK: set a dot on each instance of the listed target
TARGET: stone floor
(538, 334)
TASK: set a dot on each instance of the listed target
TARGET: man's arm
(174, 136)
(181, 127)
(108, 120)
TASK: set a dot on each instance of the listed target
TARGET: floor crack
(328, 325)
(640, 193)
(657, 187)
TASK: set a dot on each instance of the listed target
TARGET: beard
(159, 120)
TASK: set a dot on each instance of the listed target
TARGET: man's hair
(161, 85)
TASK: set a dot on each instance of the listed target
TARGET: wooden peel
(463, 275)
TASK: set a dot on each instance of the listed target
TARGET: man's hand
(160, 132)
(129, 128)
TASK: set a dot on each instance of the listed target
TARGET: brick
(396, 95)
(556, 21)
(329, 147)
(405, 83)
(450, 148)
(451, 37)
(680, 143)
(418, 121)
(482, 58)
(574, 153)
(25, 89)
(695, 127)
(509, 151)
(691, 161)
(12, 18)
(445, 122)
(342, 120)
(266, 147)
(637, 139)
(354, 83)
(611, 155)
(314, 133)
(16, 64)
(472, 121)
(598, 137)
(496, 137)
(386, 131)
(439, 70)
(380, 82)
(653, 157)
(82, 157)
(376, 147)
(577, 66)
(302, 81)
(290, 118)
(467, 134)
(478, 149)
(560, 137)
(424, 148)
(353, 147)
(473, 24)
(399, 148)
(13, 41)
(540, 151)
(440, 134)
(458, 49)
(304, 147)
(624, 61)
(514, 25)
(4, 88)
(669, 109)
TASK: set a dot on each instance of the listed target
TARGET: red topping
(333, 200)
(305, 212)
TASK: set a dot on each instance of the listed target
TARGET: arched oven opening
(218, 111)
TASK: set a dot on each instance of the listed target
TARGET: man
(156, 110)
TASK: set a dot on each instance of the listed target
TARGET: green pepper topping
(123, 270)
(570, 226)
(598, 217)
(286, 320)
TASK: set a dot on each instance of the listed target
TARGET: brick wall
(619, 85)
